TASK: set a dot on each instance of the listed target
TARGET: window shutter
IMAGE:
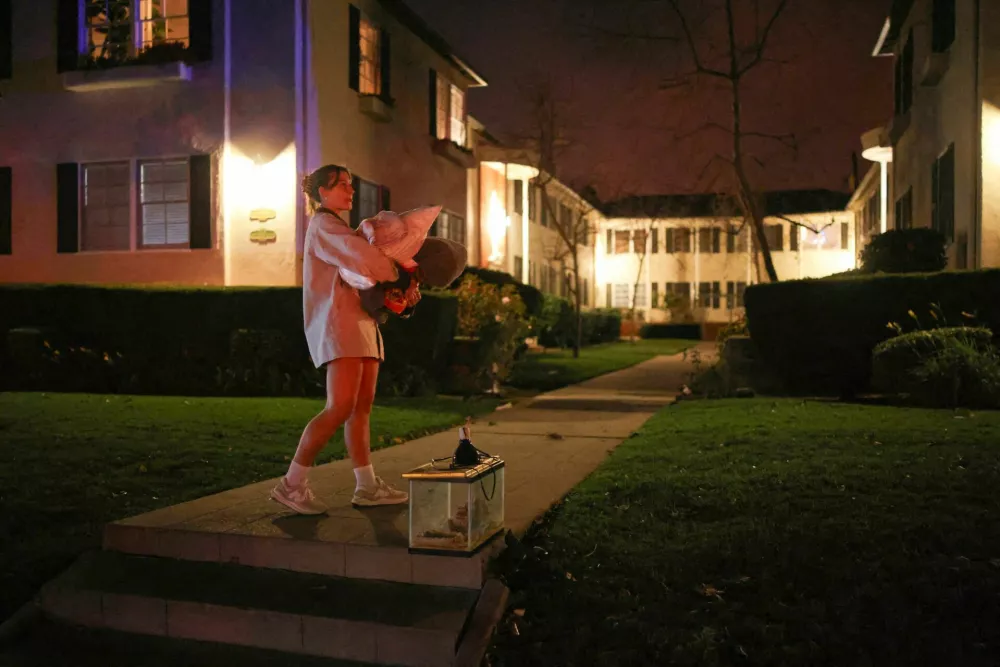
(655, 241)
(200, 18)
(432, 107)
(386, 205)
(793, 237)
(731, 239)
(354, 46)
(68, 35)
(386, 62)
(6, 40)
(201, 202)
(609, 247)
(845, 233)
(6, 222)
(356, 208)
(779, 238)
(716, 240)
(67, 207)
(671, 243)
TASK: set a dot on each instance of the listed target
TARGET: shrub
(557, 324)
(531, 296)
(181, 340)
(671, 330)
(818, 335)
(946, 367)
(905, 251)
(493, 325)
(734, 328)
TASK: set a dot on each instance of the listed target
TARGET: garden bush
(193, 341)
(918, 250)
(556, 326)
(531, 296)
(818, 335)
(945, 367)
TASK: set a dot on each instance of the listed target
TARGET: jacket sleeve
(346, 250)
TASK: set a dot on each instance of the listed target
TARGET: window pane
(457, 114)
(163, 22)
(370, 75)
(164, 195)
(105, 215)
(443, 100)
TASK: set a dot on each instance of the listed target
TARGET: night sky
(628, 135)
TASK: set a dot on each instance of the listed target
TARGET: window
(943, 194)
(709, 240)
(121, 29)
(654, 243)
(518, 268)
(716, 295)
(845, 236)
(163, 194)
(904, 78)
(639, 241)
(734, 298)
(640, 295)
(457, 116)
(443, 108)
(565, 217)
(107, 218)
(794, 232)
(368, 199)
(532, 202)
(680, 291)
(679, 240)
(450, 226)
(447, 106)
(609, 245)
(775, 235)
(737, 237)
(621, 242)
(654, 295)
(943, 25)
(519, 197)
(620, 296)
(826, 238)
(904, 211)
(704, 295)
(369, 61)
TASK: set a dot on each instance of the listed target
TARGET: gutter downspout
(977, 148)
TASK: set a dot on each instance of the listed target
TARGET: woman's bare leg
(343, 379)
(357, 430)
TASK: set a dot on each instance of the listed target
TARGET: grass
(69, 463)
(765, 532)
(552, 369)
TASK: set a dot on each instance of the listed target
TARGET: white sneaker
(382, 494)
(300, 499)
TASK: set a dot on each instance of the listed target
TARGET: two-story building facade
(691, 257)
(939, 156)
(163, 141)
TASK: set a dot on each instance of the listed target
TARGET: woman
(344, 338)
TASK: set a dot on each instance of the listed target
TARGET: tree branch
(806, 225)
(689, 38)
(762, 42)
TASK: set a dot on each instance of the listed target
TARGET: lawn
(69, 463)
(764, 532)
(553, 369)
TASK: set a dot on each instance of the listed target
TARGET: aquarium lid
(442, 472)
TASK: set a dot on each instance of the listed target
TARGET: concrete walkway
(550, 443)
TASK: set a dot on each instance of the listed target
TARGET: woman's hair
(320, 179)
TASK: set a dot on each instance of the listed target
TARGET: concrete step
(308, 614)
(243, 527)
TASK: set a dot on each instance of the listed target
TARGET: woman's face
(339, 194)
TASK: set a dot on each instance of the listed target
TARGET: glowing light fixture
(497, 223)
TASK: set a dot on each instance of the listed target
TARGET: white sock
(365, 477)
(297, 474)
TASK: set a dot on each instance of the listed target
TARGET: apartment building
(163, 141)
(690, 257)
(939, 156)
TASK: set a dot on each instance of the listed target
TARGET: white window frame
(137, 42)
(135, 205)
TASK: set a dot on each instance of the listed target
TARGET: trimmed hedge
(818, 335)
(678, 331)
(196, 341)
(557, 324)
(531, 296)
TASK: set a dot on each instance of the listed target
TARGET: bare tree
(542, 144)
(725, 41)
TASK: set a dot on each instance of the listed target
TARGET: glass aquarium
(455, 510)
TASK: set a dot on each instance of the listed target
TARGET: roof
(711, 205)
(432, 38)
(894, 23)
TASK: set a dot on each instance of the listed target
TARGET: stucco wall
(43, 124)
